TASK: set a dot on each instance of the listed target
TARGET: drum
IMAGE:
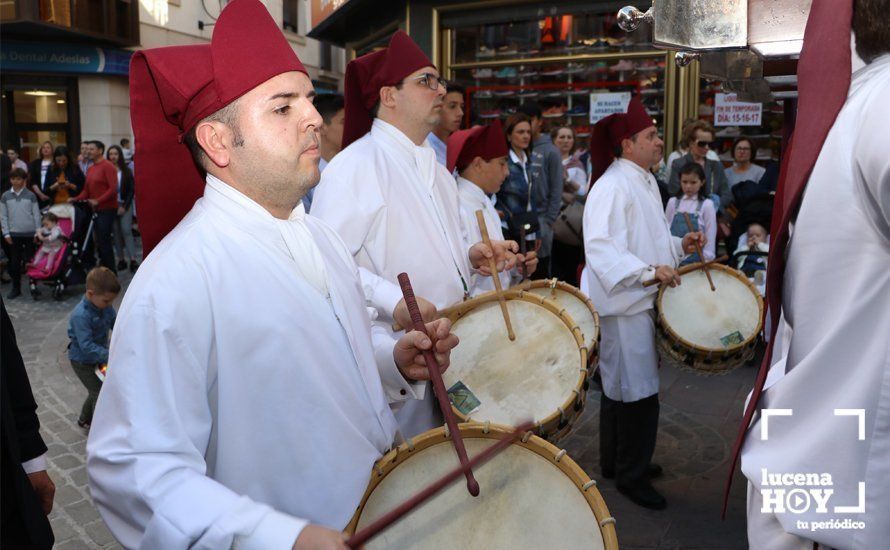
(532, 495)
(540, 376)
(576, 304)
(710, 332)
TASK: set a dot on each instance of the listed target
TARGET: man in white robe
(829, 374)
(392, 202)
(247, 396)
(479, 155)
(627, 242)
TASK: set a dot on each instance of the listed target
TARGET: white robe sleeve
(145, 453)
(871, 168)
(357, 225)
(605, 240)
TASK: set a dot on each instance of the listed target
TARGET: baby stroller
(76, 224)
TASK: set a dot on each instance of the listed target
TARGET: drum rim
(574, 291)
(466, 307)
(701, 349)
(477, 430)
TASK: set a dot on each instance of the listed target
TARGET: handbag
(567, 228)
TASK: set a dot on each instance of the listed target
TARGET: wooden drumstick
(362, 536)
(438, 384)
(700, 254)
(492, 264)
(523, 247)
(689, 269)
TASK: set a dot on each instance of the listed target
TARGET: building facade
(64, 63)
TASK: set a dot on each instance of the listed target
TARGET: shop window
(766, 137)
(7, 10)
(291, 15)
(558, 61)
(41, 106)
(57, 12)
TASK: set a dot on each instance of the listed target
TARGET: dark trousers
(104, 231)
(627, 438)
(20, 252)
(543, 270)
(87, 376)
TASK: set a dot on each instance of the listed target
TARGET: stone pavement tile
(76, 544)
(79, 476)
(66, 462)
(82, 512)
(62, 529)
(67, 494)
(99, 533)
(714, 395)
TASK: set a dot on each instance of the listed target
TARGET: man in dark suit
(26, 491)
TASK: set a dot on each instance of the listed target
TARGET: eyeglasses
(431, 81)
(703, 143)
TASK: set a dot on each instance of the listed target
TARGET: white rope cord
(588, 485)
(486, 427)
(559, 455)
(607, 521)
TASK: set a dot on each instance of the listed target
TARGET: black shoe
(645, 496)
(14, 293)
(653, 471)
(133, 266)
(121, 265)
(83, 424)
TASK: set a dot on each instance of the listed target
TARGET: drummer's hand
(504, 256)
(691, 239)
(315, 537)
(667, 275)
(530, 260)
(408, 351)
(401, 316)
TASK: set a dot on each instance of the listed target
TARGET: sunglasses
(703, 143)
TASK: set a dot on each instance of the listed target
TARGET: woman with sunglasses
(700, 136)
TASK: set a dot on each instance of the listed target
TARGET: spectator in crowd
(39, 171)
(330, 107)
(546, 178)
(575, 173)
(66, 177)
(743, 169)
(88, 329)
(100, 190)
(700, 136)
(124, 244)
(20, 219)
(50, 238)
(693, 202)
(450, 120)
(755, 241)
(84, 160)
(27, 491)
(514, 199)
(126, 150)
(681, 150)
(13, 154)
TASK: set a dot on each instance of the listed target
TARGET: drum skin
(541, 376)
(692, 319)
(532, 495)
(577, 305)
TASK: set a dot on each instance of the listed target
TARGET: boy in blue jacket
(88, 330)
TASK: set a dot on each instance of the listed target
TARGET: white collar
(19, 192)
(516, 158)
(227, 191)
(471, 190)
(386, 130)
(633, 167)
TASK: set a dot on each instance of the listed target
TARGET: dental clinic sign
(63, 58)
(799, 493)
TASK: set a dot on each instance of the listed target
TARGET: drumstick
(480, 219)
(438, 384)
(700, 254)
(689, 269)
(362, 536)
(522, 249)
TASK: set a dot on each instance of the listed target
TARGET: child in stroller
(58, 262)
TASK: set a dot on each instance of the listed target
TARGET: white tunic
(473, 198)
(626, 232)
(833, 350)
(397, 210)
(243, 397)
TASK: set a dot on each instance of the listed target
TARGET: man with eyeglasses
(394, 205)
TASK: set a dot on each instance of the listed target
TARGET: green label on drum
(463, 399)
(732, 339)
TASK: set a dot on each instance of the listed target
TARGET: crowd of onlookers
(98, 181)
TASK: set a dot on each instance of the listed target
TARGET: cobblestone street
(699, 419)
